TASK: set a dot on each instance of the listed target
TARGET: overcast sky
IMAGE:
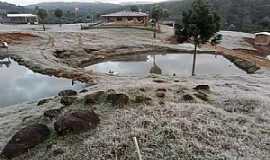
(27, 2)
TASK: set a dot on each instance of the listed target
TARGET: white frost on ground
(234, 40)
(234, 125)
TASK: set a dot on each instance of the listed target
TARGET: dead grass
(175, 131)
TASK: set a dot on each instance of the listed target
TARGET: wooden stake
(137, 148)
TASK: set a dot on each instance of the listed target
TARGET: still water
(19, 84)
(179, 64)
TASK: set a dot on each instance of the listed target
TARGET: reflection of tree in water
(155, 69)
(5, 62)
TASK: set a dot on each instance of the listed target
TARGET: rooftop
(21, 15)
(126, 14)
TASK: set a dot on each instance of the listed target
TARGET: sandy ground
(232, 124)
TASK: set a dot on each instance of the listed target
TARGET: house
(21, 19)
(262, 39)
(126, 18)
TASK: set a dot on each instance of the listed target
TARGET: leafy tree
(59, 14)
(199, 24)
(134, 8)
(156, 14)
(42, 14)
(216, 40)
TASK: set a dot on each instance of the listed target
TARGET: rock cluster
(25, 139)
(75, 122)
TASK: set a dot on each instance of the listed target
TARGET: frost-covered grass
(236, 128)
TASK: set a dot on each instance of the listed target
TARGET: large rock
(44, 101)
(75, 122)
(202, 87)
(202, 96)
(52, 114)
(118, 99)
(25, 139)
(160, 94)
(93, 98)
(188, 97)
(68, 100)
(67, 93)
(143, 99)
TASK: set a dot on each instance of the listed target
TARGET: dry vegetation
(14, 37)
(226, 126)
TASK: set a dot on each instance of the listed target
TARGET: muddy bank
(16, 37)
(75, 74)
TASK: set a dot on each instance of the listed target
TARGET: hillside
(240, 15)
(84, 8)
(11, 8)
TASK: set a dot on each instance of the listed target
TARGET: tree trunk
(194, 60)
(155, 31)
(44, 29)
(60, 22)
(159, 30)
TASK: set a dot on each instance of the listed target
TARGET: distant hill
(238, 15)
(11, 8)
(84, 8)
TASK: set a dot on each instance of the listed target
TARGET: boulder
(68, 100)
(142, 99)
(58, 151)
(202, 87)
(84, 91)
(118, 99)
(159, 81)
(52, 114)
(76, 122)
(25, 139)
(142, 89)
(188, 97)
(67, 93)
(161, 90)
(160, 94)
(110, 91)
(43, 101)
(93, 98)
(202, 96)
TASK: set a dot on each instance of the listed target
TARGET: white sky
(27, 2)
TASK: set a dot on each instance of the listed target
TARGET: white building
(22, 19)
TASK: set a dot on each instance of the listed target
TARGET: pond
(19, 84)
(168, 64)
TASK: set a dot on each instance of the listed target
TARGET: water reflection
(180, 64)
(155, 69)
(19, 84)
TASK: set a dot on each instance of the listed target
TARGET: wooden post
(137, 148)
(194, 60)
